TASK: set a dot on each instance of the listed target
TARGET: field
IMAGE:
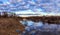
(8, 26)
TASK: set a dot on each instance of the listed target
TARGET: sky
(30, 6)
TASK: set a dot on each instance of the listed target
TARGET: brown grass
(8, 26)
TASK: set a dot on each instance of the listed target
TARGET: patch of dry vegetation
(8, 26)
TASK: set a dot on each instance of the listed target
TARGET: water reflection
(39, 28)
(39, 24)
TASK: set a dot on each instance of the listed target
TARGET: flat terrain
(8, 26)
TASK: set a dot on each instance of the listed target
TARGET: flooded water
(38, 28)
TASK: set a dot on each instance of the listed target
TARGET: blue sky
(46, 7)
(4, 1)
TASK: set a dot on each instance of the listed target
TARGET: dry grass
(8, 26)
